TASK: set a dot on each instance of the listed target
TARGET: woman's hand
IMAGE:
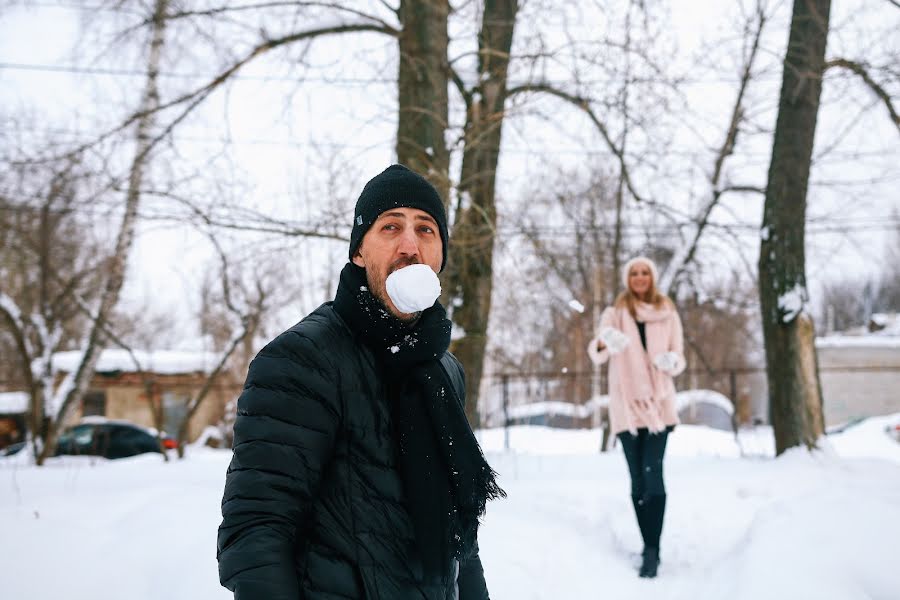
(666, 362)
(613, 339)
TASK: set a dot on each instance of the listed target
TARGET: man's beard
(378, 287)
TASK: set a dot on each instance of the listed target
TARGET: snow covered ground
(823, 525)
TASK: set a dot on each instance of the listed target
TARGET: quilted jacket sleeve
(284, 435)
(470, 580)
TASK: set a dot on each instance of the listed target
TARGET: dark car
(12, 449)
(109, 439)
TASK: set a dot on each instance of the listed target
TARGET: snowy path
(744, 529)
(799, 527)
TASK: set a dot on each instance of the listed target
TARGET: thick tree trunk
(471, 272)
(795, 400)
(422, 87)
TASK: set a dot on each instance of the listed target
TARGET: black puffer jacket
(313, 506)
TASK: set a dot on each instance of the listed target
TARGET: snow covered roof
(13, 403)
(164, 362)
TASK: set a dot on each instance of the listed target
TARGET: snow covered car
(109, 439)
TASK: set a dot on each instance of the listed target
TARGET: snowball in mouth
(413, 288)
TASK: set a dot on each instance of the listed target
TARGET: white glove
(614, 340)
(666, 362)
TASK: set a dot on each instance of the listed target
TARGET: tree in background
(51, 268)
(470, 278)
(850, 301)
(423, 101)
(795, 394)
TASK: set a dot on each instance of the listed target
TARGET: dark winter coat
(313, 507)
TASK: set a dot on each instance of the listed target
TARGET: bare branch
(584, 105)
(196, 96)
(269, 5)
(266, 224)
(860, 69)
(461, 87)
(685, 255)
(743, 189)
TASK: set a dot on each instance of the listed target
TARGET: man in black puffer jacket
(355, 474)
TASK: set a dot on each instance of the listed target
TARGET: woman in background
(641, 337)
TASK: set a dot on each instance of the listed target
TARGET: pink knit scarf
(640, 383)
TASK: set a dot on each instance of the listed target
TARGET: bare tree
(470, 277)
(699, 222)
(241, 311)
(114, 270)
(795, 397)
(49, 267)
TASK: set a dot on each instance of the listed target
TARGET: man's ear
(358, 260)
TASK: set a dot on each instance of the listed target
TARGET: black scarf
(445, 476)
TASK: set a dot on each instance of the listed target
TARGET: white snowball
(413, 288)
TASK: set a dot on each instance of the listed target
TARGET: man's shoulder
(320, 331)
(452, 364)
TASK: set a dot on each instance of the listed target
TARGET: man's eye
(390, 227)
(426, 229)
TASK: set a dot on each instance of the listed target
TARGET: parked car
(109, 439)
(893, 431)
(12, 449)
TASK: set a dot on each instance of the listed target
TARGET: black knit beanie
(397, 187)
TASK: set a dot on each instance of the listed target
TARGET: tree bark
(471, 272)
(795, 399)
(422, 88)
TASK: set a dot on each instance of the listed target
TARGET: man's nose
(408, 244)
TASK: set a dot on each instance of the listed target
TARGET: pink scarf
(640, 383)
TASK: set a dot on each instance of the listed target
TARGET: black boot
(651, 562)
(654, 513)
(640, 511)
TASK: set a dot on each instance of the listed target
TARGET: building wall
(126, 399)
(859, 382)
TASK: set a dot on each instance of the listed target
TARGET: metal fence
(849, 391)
